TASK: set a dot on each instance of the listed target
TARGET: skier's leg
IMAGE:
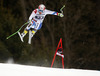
(36, 26)
(31, 34)
(24, 32)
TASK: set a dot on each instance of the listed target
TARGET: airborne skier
(36, 19)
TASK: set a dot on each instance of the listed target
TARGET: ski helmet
(41, 7)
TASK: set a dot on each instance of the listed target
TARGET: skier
(36, 19)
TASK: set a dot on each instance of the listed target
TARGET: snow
(25, 70)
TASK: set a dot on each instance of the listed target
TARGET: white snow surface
(25, 70)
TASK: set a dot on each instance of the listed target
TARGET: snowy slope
(22, 70)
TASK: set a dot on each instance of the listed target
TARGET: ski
(30, 36)
(20, 36)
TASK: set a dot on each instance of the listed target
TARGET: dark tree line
(79, 30)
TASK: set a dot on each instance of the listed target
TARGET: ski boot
(22, 35)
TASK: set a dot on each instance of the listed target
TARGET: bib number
(39, 17)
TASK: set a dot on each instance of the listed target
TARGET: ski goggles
(41, 11)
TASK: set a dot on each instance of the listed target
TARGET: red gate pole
(53, 60)
(60, 42)
(55, 55)
(63, 62)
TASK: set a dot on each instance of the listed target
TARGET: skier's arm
(54, 13)
(32, 14)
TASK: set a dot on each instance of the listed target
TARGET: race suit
(37, 18)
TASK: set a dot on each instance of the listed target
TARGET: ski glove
(30, 20)
(60, 14)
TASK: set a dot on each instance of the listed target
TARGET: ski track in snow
(25, 70)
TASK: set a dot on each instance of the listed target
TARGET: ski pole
(18, 30)
(62, 8)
